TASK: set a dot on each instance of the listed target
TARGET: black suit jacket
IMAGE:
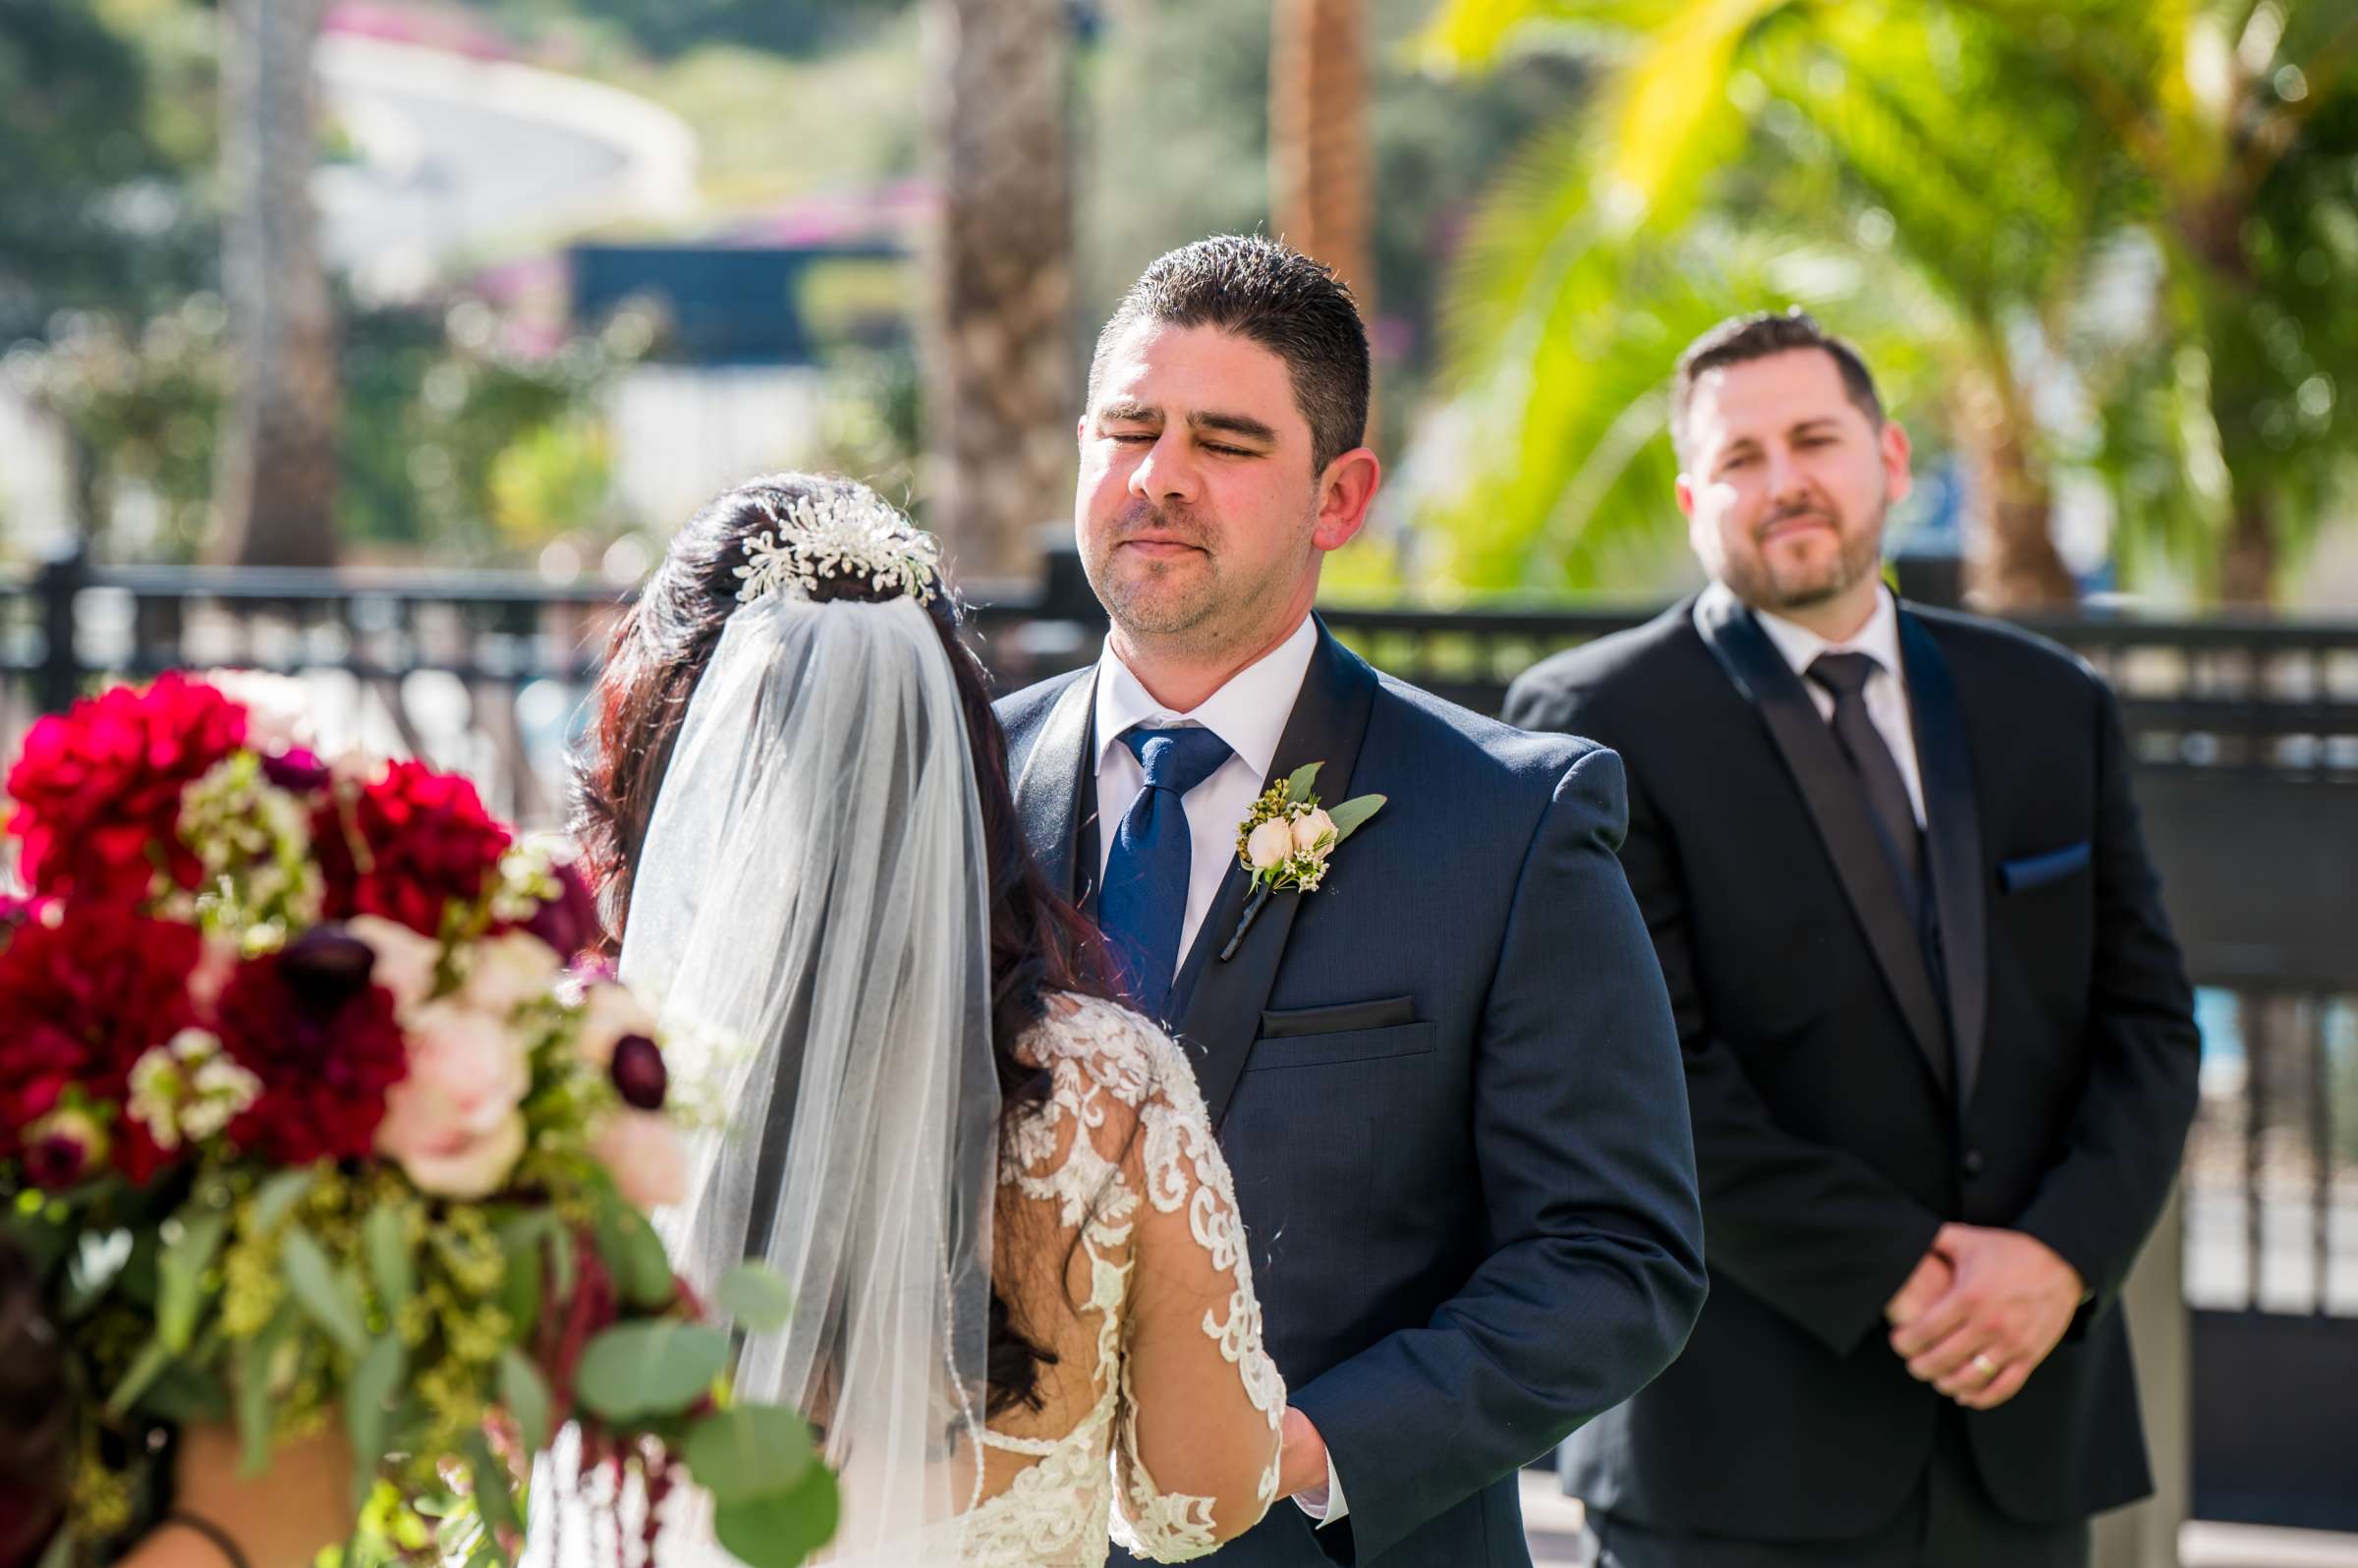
(1835, 1128)
(1448, 1087)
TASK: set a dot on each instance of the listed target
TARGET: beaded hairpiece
(841, 533)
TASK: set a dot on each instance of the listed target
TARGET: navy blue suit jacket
(1449, 1086)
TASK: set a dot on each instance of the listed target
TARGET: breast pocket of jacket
(1351, 1031)
(2028, 871)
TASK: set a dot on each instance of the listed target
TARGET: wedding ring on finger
(1985, 1366)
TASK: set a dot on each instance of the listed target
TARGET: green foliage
(2126, 223)
(645, 1369)
(100, 184)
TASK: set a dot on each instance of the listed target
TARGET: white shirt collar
(1878, 638)
(1250, 712)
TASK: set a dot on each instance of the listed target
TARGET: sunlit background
(385, 344)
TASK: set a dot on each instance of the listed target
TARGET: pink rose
(473, 1169)
(644, 1155)
(452, 1123)
(406, 962)
(1269, 845)
(507, 971)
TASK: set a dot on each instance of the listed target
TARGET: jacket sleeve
(1812, 1230)
(2121, 1148)
(1579, 1131)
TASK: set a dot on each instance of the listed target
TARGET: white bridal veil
(810, 919)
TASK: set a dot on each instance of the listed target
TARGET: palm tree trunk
(1319, 175)
(2247, 556)
(2010, 558)
(278, 465)
(996, 333)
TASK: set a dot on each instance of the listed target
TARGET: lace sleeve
(1202, 1404)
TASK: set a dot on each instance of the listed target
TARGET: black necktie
(1845, 675)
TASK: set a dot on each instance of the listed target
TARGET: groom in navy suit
(1448, 1079)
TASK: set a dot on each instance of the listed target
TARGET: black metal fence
(2245, 734)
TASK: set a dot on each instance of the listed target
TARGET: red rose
(309, 1023)
(79, 1003)
(407, 847)
(98, 788)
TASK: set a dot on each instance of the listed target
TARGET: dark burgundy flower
(407, 847)
(638, 1074)
(327, 1050)
(81, 1002)
(297, 771)
(568, 922)
(63, 1149)
(326, 965)
(98, 788)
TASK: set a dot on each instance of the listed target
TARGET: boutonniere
(1286, 838)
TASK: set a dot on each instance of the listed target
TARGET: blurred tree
(98, 204)
(673, 26)
(2124, 220)
(278, 450)
(1319, 145)
(997, 331)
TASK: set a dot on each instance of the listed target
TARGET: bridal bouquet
(305, 1120)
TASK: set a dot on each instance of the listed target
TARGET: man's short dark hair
(1277, 296)
(1741, 338)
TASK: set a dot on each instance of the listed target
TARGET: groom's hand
(2009, 1304)
(1301, 1456)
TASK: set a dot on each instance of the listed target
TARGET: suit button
(1974, 1162)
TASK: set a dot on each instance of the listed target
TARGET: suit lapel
(1954, 835)
(1220, 1016)
(1055, 794)
(1832, 793)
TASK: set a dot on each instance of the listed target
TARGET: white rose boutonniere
(1286, 839)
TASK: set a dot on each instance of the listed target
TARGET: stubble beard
(1858, 554)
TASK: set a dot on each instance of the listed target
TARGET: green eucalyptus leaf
(495, 1496)
(276, 1198)
(1352, 814)
(649, 1368)
(257, 1407)
(779, 1530)
(525, 1394)
(756, 1299)
(1301, 781)
(181, 1277)
(385, 1242)
(748, 1450)
(329, 1299)
(634, 1255)
(144, 1369)
(520, 1289)
(367, 1410)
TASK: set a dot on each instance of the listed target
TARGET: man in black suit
(1448, 1079)
(1939, 1045)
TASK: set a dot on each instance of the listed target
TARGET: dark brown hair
(1293, 307)
(1742, 338)
(1040, 943)
(37, 1414)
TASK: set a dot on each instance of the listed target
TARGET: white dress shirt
(1886, 693)
(1250, 713)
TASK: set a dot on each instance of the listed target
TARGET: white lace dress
(1182, 1433)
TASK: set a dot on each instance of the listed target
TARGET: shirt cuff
(1328, 1504)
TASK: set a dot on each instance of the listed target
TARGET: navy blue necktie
(1143, 904)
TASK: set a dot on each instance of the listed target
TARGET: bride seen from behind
(1012, 1237)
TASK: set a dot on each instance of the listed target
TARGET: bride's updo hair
(36, 1415)
(1040, 943)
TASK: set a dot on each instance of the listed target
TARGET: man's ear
(1893, 447)
(1684, 490)
(1345, 491)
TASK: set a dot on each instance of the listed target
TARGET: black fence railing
(2245, 734)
